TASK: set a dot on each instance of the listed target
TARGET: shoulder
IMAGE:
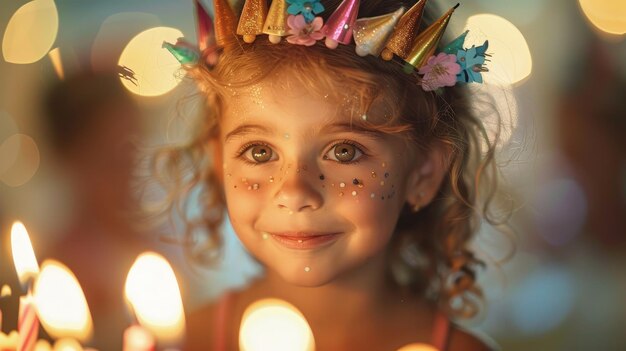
(464, 340)
(201, 327)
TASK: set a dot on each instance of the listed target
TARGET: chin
(310, 279)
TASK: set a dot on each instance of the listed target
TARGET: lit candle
(67, 344)
(62, 305)
(152, 291)
(273, 324)
(27, 270)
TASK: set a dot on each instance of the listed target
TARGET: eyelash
(360, 147)
(244, 148)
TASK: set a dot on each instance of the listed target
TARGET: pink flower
(303, 33)
(439, 71)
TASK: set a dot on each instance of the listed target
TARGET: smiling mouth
(304, 240)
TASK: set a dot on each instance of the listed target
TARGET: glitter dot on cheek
(307, 269)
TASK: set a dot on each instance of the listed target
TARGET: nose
(297, 192)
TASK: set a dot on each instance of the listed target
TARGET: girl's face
(309, 194)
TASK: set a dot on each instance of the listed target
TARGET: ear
(426, 177)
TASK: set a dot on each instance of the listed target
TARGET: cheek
(367, 196)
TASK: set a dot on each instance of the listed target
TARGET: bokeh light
(55, 57)
(31, 32)
(25, 164)
(543, 300)
(511, 61)
(152, 68)
(418, 347)
(607, 15)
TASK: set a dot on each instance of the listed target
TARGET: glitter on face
(307, 269)
(265, 236)
(364, 117)
(286, 136)
(382, 182)
(271, 179)
(255, 186)
(384, 164)
(290, 212)
(341, 193)
(353, 193)
(229, 175)
(373, 174)
(372, 195)
(342, 185)
(255, 91)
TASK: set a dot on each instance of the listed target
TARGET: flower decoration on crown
(307, 8)
(387, 36)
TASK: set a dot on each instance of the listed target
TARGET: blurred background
(558, 76)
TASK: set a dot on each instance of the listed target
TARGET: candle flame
(273, 324)
(152, 290)
(61, 304)
(23, 254)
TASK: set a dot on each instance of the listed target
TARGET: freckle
(298, 170)
(372, 195)
(307, 269)
(235, 187)
(271, 179)
(322, 177)
(228, 175)
(353, 193)
(393, 185)
(341, 193)
(323, 186)
(382, 197)
(255, 186)
(342, 185)
(386, 175)
(382, 182)
(355, 181)
(373, 174)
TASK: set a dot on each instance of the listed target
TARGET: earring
(417, 206)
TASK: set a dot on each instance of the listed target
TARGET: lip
(304, 240)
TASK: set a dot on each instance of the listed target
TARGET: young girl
(351, 181)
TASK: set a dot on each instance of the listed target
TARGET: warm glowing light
(24, 153)
(24, 259)
(511, 61)
(153, 67)
(61, 304)
(418, 347)
(31, 32)
(43, 345)
(55, 57)
(607, 15)
(273, 324)
(67, 344)
(6, 291)
(8, 341)
(152, 290)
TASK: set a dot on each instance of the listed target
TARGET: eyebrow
(246, 129)
(352, 127)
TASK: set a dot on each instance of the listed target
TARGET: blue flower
(308, 8)
(471, 61)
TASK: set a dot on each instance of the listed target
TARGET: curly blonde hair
(430, 248)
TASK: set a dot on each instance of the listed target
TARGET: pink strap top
(441, 327)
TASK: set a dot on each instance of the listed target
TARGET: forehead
(283, 101)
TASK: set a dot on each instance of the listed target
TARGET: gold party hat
(426, 42)
(400, 41)
(252, 19)
(276, 22)
(371, 34)
(225, 21)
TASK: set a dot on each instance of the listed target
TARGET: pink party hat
(206, 34)
(340, 24)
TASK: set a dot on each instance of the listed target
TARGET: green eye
(260, 154)
(344, 153)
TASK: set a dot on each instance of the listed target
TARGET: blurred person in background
(91, 123)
